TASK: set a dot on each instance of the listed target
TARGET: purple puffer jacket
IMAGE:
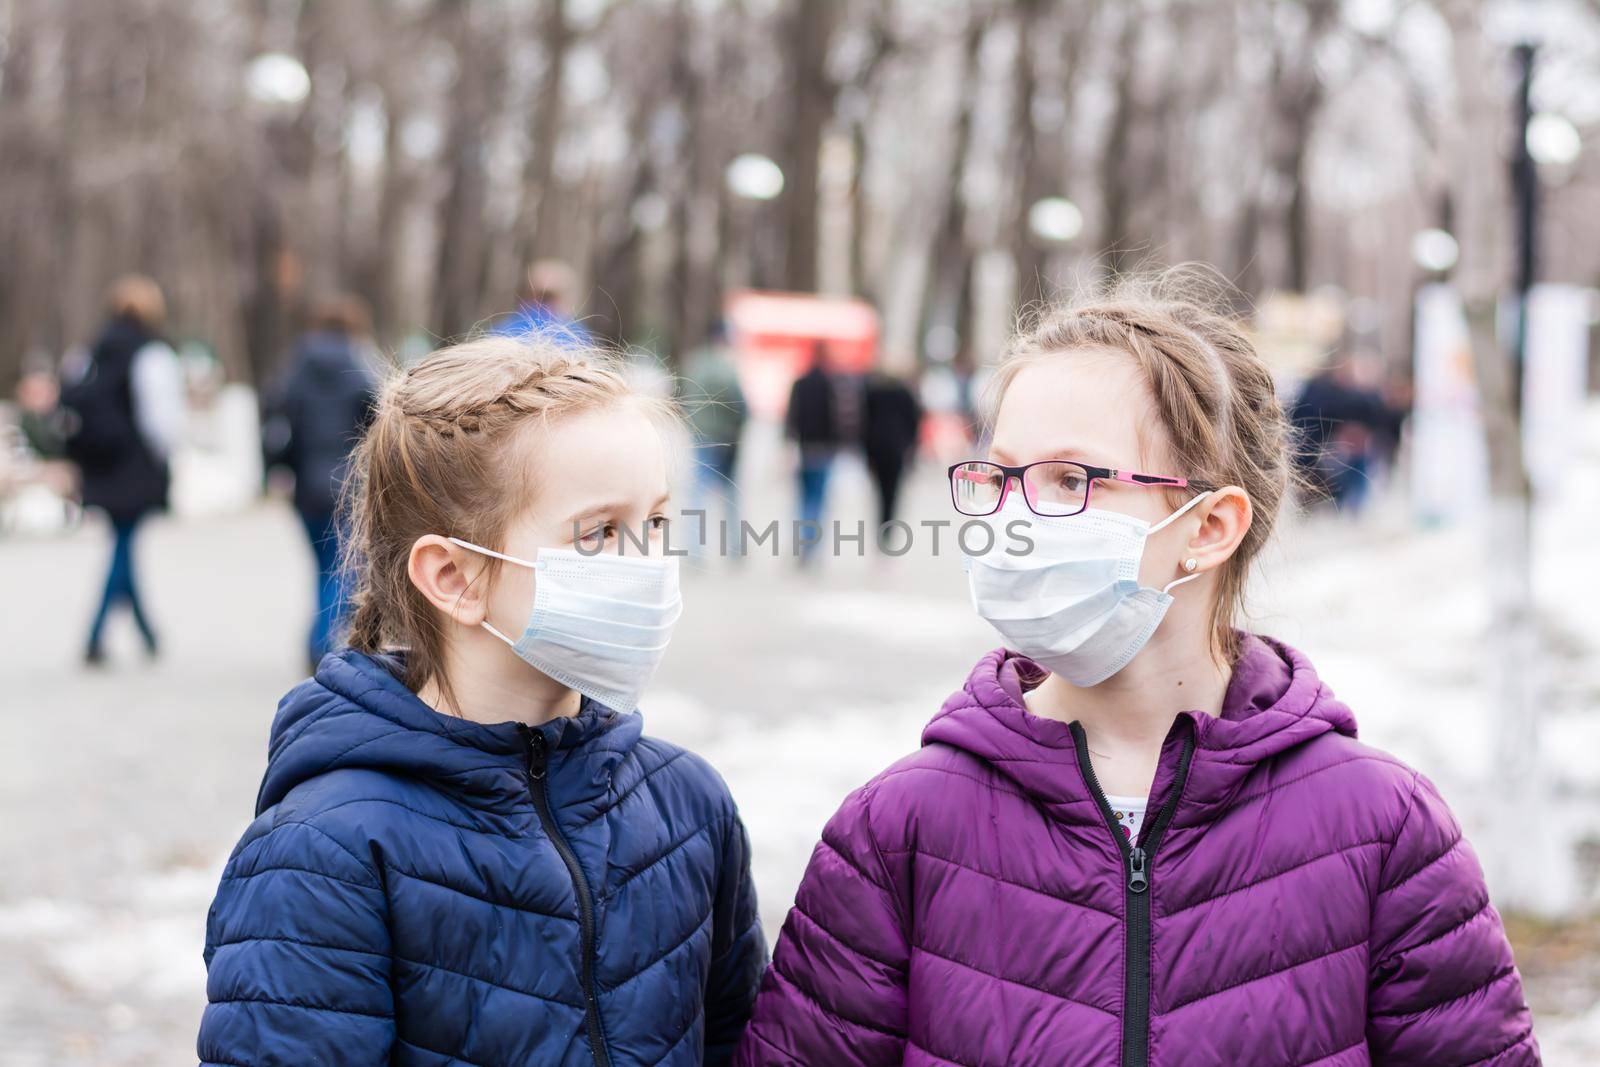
(1295, 898)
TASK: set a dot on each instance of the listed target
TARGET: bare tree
(462, 252)
(811, 108)
(445, 143)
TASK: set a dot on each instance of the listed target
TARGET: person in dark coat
(891, 424)
(813, 423)
(323, 405)
(126, 414)
(1343, 424)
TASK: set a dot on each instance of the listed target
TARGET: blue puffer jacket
(423, 890)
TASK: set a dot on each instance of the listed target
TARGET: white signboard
(1555, 380)
(1449, 464)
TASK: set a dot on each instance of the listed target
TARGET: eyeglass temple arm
(1122, 476)
(1149, 479)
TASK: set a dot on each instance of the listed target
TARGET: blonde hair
(138, 297)
(1214, 397)
(445, 455)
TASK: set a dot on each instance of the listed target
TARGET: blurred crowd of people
(120, 414)
(827, 413)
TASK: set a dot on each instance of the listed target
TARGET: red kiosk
(773, 334)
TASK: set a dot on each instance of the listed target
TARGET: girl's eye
(598, 536)
(658, 522)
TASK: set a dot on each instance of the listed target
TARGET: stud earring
(1190, 564)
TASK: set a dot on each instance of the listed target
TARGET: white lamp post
(1553, 141)
(752, 176)
(277, 79)
(1435, 250)
(1055, 220)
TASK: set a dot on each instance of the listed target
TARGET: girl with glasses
(1138, 834)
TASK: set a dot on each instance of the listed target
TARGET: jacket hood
(1274, 702)
(355, 713)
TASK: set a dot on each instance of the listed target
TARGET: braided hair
(447, 453)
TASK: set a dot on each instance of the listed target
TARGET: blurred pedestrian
(40, 414)
(545, 307)
(891, 428)
(311, 424)
(1136, 833)
(812, 422)
(464, 843)
(710, 395)
(1345, 426)
(127, 418)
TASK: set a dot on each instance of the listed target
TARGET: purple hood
(1274, 702)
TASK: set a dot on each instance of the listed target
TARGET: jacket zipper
(539, 786)
(1137, 857)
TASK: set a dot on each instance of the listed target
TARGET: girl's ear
(1225, 518)
(448, 575)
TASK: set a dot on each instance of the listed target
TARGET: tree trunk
(1295, 99)
(811, 107)
(1481, 204)
(538, 213)
(1117, 182)
(950, 270)
(463, 242)
(1030, 182)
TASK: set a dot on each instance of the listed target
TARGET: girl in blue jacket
(464, 851)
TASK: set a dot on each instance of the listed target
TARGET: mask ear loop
(1174, 516)
(497, 555)
(1170, 586)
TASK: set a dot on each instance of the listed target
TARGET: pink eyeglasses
(1052, 488)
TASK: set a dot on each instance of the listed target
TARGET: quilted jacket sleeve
(1443, 987)
(738, 949)
(836, 991)
(297, 956)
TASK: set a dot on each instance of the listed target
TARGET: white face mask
(599, 623)
(1074, 604)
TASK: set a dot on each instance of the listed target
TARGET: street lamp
(1553, 140)
(1055, 220)
(1435, 250)
(752, 176)
(277, 79)
(756, 180)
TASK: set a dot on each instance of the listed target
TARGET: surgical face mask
(599, 624)
(1074, 604)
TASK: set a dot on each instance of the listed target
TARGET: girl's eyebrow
(613, 506)
(1068, 452)
(595, 510)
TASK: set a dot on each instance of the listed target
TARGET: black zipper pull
(1137, 881)
(538, 754)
